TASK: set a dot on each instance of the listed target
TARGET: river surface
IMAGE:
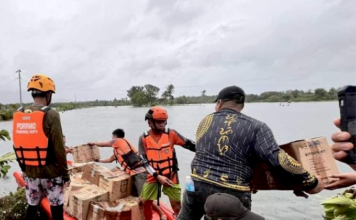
(289, 123)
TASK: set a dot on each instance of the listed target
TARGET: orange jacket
(126, 154)
(30, 141)
(161, 155)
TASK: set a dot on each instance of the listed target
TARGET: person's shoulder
(171, 131)
(51, 113)
(209, 116)
(46, 109)
(143, 135)
(252, 121)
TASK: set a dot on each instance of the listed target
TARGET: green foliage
(341, 207)
(147, 96)
(167, 96)
(182, 100)
(4, 134)
(13, 206)
(139, 99)
(4, 160)
(6, 111)
(321, 94)
(151, 92)
(143, 95)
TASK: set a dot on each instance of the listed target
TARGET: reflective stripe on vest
(30, 141)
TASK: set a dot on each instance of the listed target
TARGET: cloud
(98, 50)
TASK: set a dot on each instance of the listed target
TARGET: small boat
(167, 210)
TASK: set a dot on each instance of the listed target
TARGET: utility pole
(19, 71)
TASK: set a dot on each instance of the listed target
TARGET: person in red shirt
(157, 147)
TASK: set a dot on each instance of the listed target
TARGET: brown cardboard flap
(109, 211)
(92, 173)
(81, 198)
(85, 153)
(119, 184)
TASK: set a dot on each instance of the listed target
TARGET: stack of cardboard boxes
(98, 193)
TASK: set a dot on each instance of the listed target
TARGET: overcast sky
(99, 49)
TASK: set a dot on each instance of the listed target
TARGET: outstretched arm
(180, 140)
(101, 144)
(108, 160)
(268, 150)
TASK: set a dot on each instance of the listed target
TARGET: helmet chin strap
(49, 99)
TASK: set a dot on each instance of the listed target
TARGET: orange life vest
(30, 141)
(161, 155)
(126, 154)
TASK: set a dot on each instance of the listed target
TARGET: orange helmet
(157, 113)
(42, 83)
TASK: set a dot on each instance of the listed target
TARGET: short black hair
(120, 133)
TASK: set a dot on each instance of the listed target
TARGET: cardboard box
(81, 198)
(85, 153)
(118, 184)
(92, 173)
(313, 154)
(78, 167)
(109, 211)
(76, 183)
(136, 207)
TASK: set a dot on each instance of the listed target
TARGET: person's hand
(164, 180)
(318, 187)
(68, 150)
(341, 144)
(344, 180)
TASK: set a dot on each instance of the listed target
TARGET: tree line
(148, 95)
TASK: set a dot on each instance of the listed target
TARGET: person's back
(228, 144)
(51, 128)
(126, 155)
(225, 157)
(39, 147)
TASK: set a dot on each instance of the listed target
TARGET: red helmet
(157, 113)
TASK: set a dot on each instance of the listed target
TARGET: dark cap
(232, 93)
(224, 206)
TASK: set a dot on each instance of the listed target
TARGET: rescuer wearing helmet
(157, 147)
(127, 156)
(39, 148)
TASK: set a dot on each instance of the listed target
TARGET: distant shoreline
(9, 113)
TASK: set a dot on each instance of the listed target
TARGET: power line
(3, 83)
(7, 77)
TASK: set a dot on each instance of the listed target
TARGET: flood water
(289, 123)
